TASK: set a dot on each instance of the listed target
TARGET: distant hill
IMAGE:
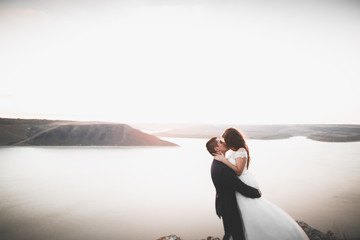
(22, 132)
(319, 132)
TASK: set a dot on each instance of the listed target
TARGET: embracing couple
(245, 214)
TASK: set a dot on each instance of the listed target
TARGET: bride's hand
(220, 157)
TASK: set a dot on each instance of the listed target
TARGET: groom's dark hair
(211, 144)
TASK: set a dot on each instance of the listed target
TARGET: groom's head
(215, 145)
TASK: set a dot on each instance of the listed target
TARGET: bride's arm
(238, 168)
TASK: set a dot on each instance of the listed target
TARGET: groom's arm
(235, 183)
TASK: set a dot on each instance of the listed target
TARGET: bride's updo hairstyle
(235, 140)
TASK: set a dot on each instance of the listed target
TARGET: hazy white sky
(181, 61)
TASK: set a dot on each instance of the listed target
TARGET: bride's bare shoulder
(241, 150)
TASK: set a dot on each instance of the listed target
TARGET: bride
(262, 219)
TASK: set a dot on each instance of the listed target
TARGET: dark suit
(226, 183)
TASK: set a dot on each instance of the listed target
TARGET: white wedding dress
(262, 219)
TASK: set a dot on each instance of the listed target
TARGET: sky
(230, 62)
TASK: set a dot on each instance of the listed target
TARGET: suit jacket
(226, 183)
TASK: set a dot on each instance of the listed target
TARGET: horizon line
(172, 123)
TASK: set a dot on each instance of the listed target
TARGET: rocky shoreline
(315, 234)
(311, 232)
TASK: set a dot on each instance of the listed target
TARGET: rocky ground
(311, 232)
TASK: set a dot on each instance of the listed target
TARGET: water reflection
(144, 193)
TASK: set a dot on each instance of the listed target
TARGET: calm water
(148, 192)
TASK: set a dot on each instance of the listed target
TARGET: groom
(226, 183)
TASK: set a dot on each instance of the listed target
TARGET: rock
(312, 233)
(170, 237)
(315, 234)
(174, 237)
(212, 238)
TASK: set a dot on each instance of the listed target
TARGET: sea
(138, 193)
